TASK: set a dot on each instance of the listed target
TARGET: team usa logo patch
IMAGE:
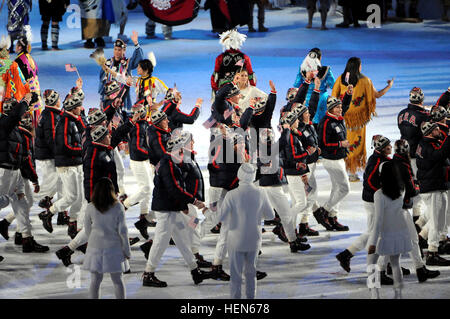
(161, 4)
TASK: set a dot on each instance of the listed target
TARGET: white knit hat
(99, 133)
(416, 95)
(428, 127)
(96, 117)
(246, 173)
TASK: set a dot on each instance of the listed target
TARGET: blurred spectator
(260, 4)
(400, 11)
(93, 25)
(227, 15)
(150, 26)
(350, 12)
(53, 11)
(18, 18)
(446, 6)
(274, 5)
(324, 7)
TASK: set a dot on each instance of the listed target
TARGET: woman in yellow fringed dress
(361, 110)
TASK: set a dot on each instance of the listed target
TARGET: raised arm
(379, 94)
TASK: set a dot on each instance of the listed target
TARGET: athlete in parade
(250, 171)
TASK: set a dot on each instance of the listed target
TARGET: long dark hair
(146, 65)
(104, 194)
(391, 181)
(352, 67)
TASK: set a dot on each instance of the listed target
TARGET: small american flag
(227, 113)
(210, 122)
(308, 189)
(240, 62)
(71, 68)
(193, 222)
(213, 207)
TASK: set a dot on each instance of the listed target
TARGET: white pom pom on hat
(246, 173)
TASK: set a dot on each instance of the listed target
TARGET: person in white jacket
(243, 209)
(390, 236)
(108, 245)
(247, 91)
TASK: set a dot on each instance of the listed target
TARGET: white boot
(398, 293)
(375, 293)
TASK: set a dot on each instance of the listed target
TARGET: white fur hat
(232, 39)
(310, 63)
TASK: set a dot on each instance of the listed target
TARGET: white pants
(361, 242)
(12, 182)
(120, 169)
(418, 204)
(447, 217)
(73, 191)
(311, 199)
(415, 251)
(21, 209)
(242, 262)
(279, 201)
(170, 224)
(50, 183)
(298, 196)
(437, 205)
(143, 175)
(193, 234)
(340, 185)
(217, 194)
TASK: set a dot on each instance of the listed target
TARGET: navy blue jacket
(139, 149)
(193, 177)
(157, 142)
(46, 133)
(332, 132)
(28, 166)
(292, 153)
(68, 147)
(178, 118)
(371, 182)
(99, 162)
(409, 121)
(10, 139)
(432, 164)
(170, 192)
(222, 173)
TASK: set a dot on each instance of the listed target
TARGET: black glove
(34, 98)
